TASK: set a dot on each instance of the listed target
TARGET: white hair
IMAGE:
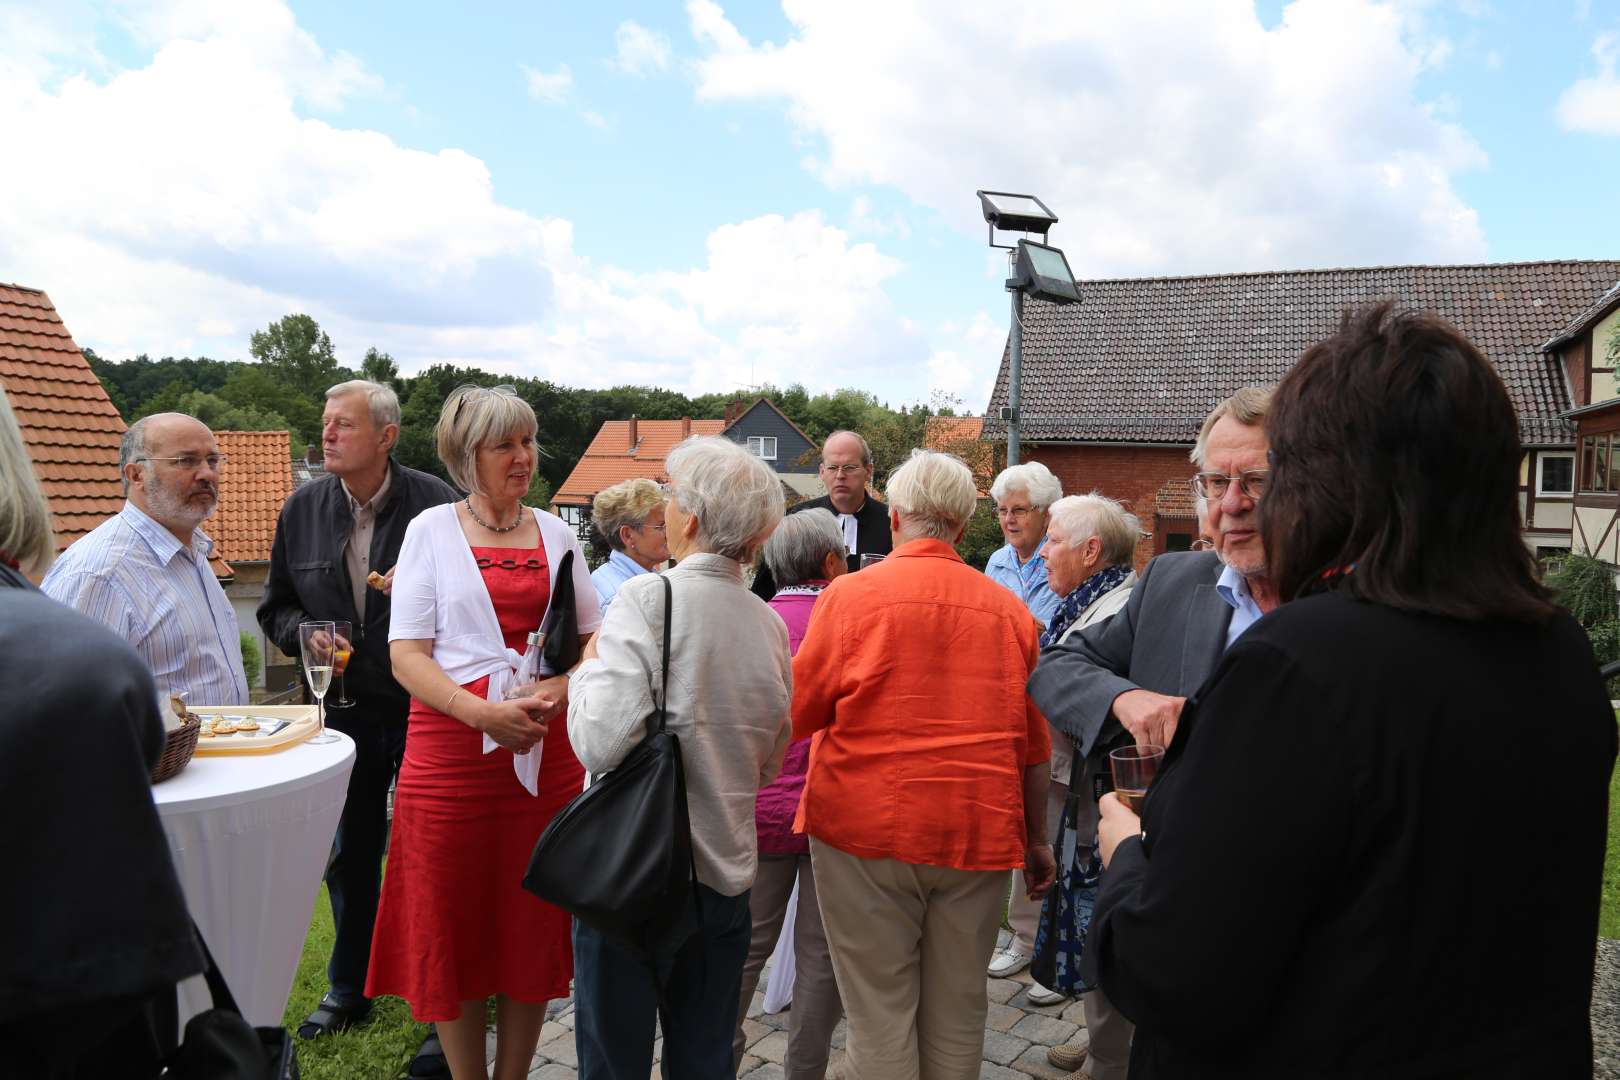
(1085, 516)
(25, 518)
(798, 549)
(132, 447)
(380, 399)
(735, 496)
(933, 493)
(1032, 478)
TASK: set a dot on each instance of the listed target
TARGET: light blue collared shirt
(131, 575)
(607, 578)
(1245, 612)
(1027, 581)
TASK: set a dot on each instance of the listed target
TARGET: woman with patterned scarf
(1089, 545)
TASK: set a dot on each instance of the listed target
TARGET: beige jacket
(730, 688)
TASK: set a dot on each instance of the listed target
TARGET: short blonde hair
(933, 493)
(625, 503)
(736, 497)
(1248, 407)
(25, 518)
(1085, 516)
(473, 417)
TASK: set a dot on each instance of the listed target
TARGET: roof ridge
(1350, 269)
(21, 288)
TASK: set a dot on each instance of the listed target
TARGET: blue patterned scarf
(1103, 581)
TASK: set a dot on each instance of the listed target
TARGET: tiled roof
(256, 481)
(940, 432)
(1586, 318)
(68, 423)
(609, 460)
(1145, 359)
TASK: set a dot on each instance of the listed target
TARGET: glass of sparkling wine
(317, 643)
(1134, 768)
(340, 662)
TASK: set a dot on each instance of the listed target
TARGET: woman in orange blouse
(927, 779)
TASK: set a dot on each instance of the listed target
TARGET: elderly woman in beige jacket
(730, 687)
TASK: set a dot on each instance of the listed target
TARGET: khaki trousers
(909, 945)
(1110, 1031)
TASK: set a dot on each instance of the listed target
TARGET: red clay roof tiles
(256, 481)
(68, 423)
(608, 459)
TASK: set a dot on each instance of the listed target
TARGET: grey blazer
(1167, 639)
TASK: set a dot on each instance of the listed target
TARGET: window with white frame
(1555, 473)
(573, 515)
(762, 446)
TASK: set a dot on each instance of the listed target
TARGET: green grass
(379, 1049)
(1609, 916)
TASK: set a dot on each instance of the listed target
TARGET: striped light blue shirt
(1026, 580)
(131, 575)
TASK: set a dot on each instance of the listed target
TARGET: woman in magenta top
(805, 552)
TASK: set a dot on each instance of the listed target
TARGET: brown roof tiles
(256, 481)
(1144, 359)
(609, 459)
(68, 423)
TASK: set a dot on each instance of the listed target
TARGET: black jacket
(309, 578)
(872, 537)
(1375, 849)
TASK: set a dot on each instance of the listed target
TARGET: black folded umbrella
(561, 624)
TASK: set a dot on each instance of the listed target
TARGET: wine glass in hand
(340, 661)
(1134, 768)
(317, 646)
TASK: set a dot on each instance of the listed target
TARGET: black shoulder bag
(619, 856)
(220, 1044)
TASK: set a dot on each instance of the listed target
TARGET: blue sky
(707, 195)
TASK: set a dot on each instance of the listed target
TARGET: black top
(1375, 849)
(309, 578)
(872, 537)
(91, 909)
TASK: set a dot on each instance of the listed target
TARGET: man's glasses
(842, 470)
(192, 462)
(1251, 482)
(1202, 544)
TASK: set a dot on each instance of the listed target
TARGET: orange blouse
(911, 678)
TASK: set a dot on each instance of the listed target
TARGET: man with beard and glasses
(144, 572)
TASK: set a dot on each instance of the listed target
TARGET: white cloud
(1592, 104)
(549, 86)
(229, 207)
(1179, 138)
(595, 119)
(640, 51)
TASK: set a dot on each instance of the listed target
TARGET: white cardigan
(439, 596)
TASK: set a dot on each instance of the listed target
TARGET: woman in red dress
(454, 927)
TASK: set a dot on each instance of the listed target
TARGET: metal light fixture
(1037, 269)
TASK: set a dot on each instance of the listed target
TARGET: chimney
(686, 427)
(633, 435)
(311, 455)
(734, 409)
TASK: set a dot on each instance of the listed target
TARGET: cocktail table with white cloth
(250, 837)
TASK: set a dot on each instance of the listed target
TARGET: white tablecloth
(250, 837)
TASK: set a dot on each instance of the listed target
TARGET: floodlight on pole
(1037, 269)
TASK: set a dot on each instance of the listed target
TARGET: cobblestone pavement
(1016, 1036)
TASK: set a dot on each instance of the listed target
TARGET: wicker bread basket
(178, 747)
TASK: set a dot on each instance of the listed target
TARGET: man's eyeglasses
(843, 470)
(1201, 544)
(1251, 482)
(1016, 513)
(192, 462)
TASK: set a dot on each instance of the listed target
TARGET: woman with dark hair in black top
(1377, 839)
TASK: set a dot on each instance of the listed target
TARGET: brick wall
(1132, 475)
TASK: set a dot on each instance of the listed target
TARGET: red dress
(454, 923)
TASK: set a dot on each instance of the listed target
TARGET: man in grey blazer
(1136, 670)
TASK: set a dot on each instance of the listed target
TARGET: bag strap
(217, 988)
(663, 701)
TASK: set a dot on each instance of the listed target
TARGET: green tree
(222, 415)
(258, 386)
(295, 348)
(379, 367)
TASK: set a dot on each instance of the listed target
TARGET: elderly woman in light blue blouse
(630, 516)
(1023, 496)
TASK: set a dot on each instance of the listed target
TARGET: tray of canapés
(252, 729)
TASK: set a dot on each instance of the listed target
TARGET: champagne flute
(340, 661)
(317, 645)
(1134, 768)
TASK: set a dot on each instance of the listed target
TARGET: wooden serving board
(302, 726)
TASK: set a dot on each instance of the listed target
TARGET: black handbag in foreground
(220, 1044)
(619, 856)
